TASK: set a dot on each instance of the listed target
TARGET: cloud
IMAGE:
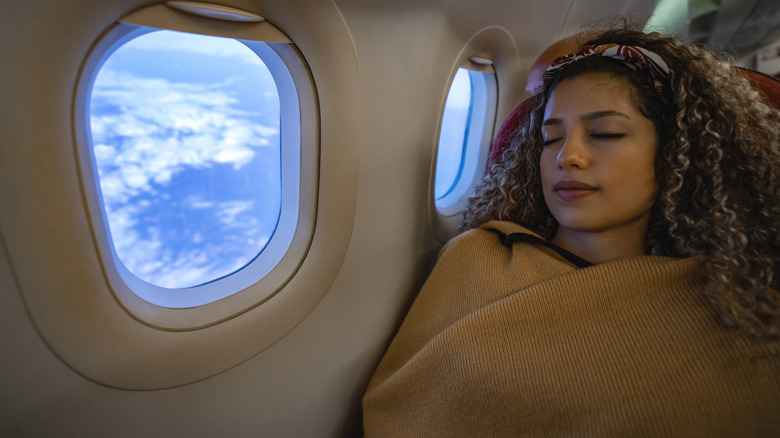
(164, 126)
(184, 42)
(231, 212)
(146, 133)
(151, 256)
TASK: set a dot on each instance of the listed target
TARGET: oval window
(185, 134)
(464, 137)
(452, 139)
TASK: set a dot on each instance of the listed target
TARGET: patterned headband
(636, 58)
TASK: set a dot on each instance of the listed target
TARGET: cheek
(637, 177)
(546, 165)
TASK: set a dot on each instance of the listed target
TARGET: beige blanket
(514, 340)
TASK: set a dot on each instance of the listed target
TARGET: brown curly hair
(718, 165)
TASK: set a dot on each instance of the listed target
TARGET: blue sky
(185, 135)
(452, 135)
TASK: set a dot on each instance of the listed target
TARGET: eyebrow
(588, 117)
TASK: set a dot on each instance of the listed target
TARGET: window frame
(66, 293)
(490, 49)
(200, 306)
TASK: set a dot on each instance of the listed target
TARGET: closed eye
(608, 136)
(550, 141)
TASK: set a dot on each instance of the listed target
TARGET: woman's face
(597, 165)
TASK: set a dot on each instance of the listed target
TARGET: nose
(573, 153)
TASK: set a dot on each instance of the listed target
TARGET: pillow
(504, 136)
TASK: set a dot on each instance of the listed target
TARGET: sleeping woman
(621, 268)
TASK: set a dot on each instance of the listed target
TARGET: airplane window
(196, 145)
(466, 128)
(452, 140)
(185, 134)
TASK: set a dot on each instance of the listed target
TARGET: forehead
(591, 93)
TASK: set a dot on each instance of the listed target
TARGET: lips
(572, 190)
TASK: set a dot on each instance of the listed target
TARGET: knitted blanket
(513, 339)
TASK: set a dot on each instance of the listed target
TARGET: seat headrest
(767, 86)
(503, 138)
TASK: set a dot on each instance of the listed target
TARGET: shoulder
(489, 236)
(497, 251)
(507, 228)
(510, 239)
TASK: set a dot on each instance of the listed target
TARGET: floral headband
(636, 58)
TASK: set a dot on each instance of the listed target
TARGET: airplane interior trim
(280, 257)
(496, 53)
(183, 17)
(212, 10)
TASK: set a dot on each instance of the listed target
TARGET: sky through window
(452, 138)
(185, 134)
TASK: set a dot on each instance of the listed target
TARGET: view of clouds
(453, 132)
(185, 135)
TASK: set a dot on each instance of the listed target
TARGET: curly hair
(717, 165)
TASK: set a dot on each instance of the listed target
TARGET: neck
(601, 247)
